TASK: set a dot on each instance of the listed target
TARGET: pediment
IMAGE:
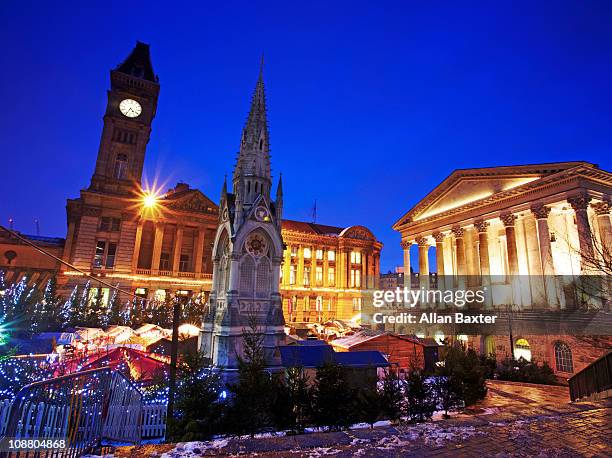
(466, 186)
(193, 201)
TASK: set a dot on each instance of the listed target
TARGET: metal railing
(595, 378)
(81, 409)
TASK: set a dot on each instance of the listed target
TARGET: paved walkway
(514, 420)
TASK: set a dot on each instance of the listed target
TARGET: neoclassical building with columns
(527, 234)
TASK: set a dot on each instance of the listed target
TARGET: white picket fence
(153, 421)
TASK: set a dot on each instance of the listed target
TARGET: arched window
(522, 349)
(247, 275)
(563, 357)
(263, 277)
(121, 166)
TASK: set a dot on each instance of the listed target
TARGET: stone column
(406, 247)
(137, 243)
(458, 232)
(199, 251)
(483, 259)
(234, 273)
(439, 237)
(340, 267)
(287, 266)
(178, 244)
(423, 262)
(602, 210)
(157, 246)
(299, 280)
(364, 270)
(377, 270)
(551, 286)
(509, 219)
(313, 267)
(580, 204)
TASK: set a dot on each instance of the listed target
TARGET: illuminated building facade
(123, 234)
(325, 270)
(526, 234)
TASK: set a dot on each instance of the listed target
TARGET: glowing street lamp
(149, 201)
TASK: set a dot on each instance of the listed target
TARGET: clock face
(130, 108)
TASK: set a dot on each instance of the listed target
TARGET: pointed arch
(247, 275)
(264, 275)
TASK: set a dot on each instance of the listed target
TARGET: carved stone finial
(540, 211)
(481, 226)
(508, 219)
(579, 202)
(439, 236)
(458, 232)
(602, 208)
(421, 241)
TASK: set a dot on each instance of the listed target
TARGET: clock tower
(130, 109)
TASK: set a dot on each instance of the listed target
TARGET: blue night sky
(371, 104)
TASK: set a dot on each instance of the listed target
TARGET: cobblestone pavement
(514, 420)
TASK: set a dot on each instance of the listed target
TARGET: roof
(310, 228)
(366, 335)
(317, 355)
(480, 186)
(138, 63)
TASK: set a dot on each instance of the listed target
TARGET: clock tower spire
(130, 109)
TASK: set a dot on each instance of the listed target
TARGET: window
(330, 303)
(331, 276)
(563, 357)
(110, 255)
(356, 304)
(319, 254)
(121, 167)
(306, 276)
(355, 278)
(141, 292)
(294, 251)
(98, 296)
(331, 255)
(184, 263)
(355, 257)
(307, 253)
(319, 304)
(263, 278)
(124, 136)
(292, 275)
(522, 349)
(160, 295)
(247, 276)
(164, 261)
(108, 224)
(319, 275)
(99, 254)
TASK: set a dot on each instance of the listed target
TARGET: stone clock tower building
(131, 107)
(247, 252)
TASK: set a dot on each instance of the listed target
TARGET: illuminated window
(356, 304)
(331, 276)
(160, 295)
(319, 304)
(307, 253)
(355, 257)
(319, 275)
(331, 255)
(330, 303)
(141, 292)
(99, 295)
(319, 254)
(104, 256)
(294, 251)
(563, 357)
(306, 276)
(121, 166)
(522, 349)
(355, 278)
(292, 275)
